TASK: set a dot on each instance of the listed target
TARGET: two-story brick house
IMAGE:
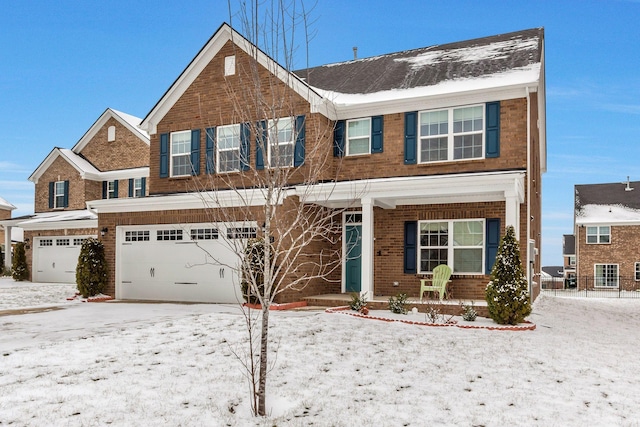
(433, 151)
(607, 232)
(109, 161)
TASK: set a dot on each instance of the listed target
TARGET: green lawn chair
(438, 283)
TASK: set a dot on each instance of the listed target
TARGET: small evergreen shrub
(358, 303)
(19, 270)
(507, 292)
(397, 304)
(253, 270)
(91, 271)
(469, 313)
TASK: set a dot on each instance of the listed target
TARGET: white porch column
(7, 246)
(367, 248)
(512, 212)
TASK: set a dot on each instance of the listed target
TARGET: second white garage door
(55, 258)
(193, 262)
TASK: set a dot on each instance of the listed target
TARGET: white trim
(595, 276)
(237, 135)
(343, 286)
(183, 201)
(61, 225)
(346, 137)
(126, 120)
(118, 174)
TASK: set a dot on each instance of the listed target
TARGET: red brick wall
(60, 170)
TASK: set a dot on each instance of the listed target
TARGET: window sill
(449, 162)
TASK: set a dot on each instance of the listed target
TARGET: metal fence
(590, 286)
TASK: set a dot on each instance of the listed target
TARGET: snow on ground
(174, 364)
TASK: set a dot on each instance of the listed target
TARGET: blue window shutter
(164, 155)
(411, 138)
(261, 140)
(492, 238)
(493, 129)
(104, 189)
(195, 152)
(65, 203)
(51, 194)
(410, 247)
(338, 139)
(376, 134)
(245, 149)
(144, 187)
(298, 152)
(115, 189)
(210, 156)
(131, 189)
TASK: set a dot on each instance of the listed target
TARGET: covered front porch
(393, 200)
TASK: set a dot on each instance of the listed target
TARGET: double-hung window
(111, 190)
(58, 195)
(138, 187)
(180, 153)
(451, 134)
(281, 137)
(358, 136)
(228, 148)
(606, 275)
(457, 243)
(599, 234)
(637, 271)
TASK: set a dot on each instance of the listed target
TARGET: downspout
(528, 217)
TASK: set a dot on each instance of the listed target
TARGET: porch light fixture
(103, 231)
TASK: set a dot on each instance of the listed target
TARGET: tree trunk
(264, 341)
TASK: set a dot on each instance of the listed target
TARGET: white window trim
(450, 247)
(598, 235)
(637, 271)
(172, 155)
(56, 194)
(595, 276)
(218, 150)
(450, 135)
(111, 193)
(272, 126)
(347, 138)
(137, 187)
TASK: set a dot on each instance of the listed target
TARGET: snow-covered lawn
(173, 364)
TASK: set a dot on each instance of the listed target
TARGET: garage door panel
(55, 258)
(202, 271)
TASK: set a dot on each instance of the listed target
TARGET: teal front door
(353, 258)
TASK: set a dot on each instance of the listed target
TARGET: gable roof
(553, 270)
(127, 120)
(4, 205)
(78, 162)
(222, 35)
(608, 203)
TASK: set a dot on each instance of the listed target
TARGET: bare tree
(300, 241)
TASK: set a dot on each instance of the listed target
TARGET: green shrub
(397, 304)
(507, 293)
(253, 270)
(20, 270)
(357, 302)
(91, 271)
(469, 313)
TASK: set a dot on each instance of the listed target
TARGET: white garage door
(193, 262)
(55, 258)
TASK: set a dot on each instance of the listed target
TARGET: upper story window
(112, 191)
(459, 244)
(599, 234)
(180, 148)
(358, 136)
(451, 134)
(637, 271)
(59, 195)
(138, 187)
(228, 148)
(281, 137)
(572, 260)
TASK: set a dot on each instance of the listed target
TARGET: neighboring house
(607, 235)
(109, 161)
(552, 277)
(569, 259)
(437, 149)
(5, 235)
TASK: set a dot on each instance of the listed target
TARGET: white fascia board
(60, 225)
(599, 222)
(118, 174)
(48, 161)
(457, 188)
(429, 102)
(202, 59)
(542, 114)
(184, 201)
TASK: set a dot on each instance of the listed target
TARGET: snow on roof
(79, 162)
(6, 205)
(607, 214)
(46, 217)
(132, 120)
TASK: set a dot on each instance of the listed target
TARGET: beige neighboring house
(111, 160)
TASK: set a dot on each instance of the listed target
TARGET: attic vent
(355, 52)
(628, 187)
(230, 65)
(111, 134)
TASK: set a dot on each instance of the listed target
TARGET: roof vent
(355, 52)
(629, 187)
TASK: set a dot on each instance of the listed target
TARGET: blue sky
(63, 62)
